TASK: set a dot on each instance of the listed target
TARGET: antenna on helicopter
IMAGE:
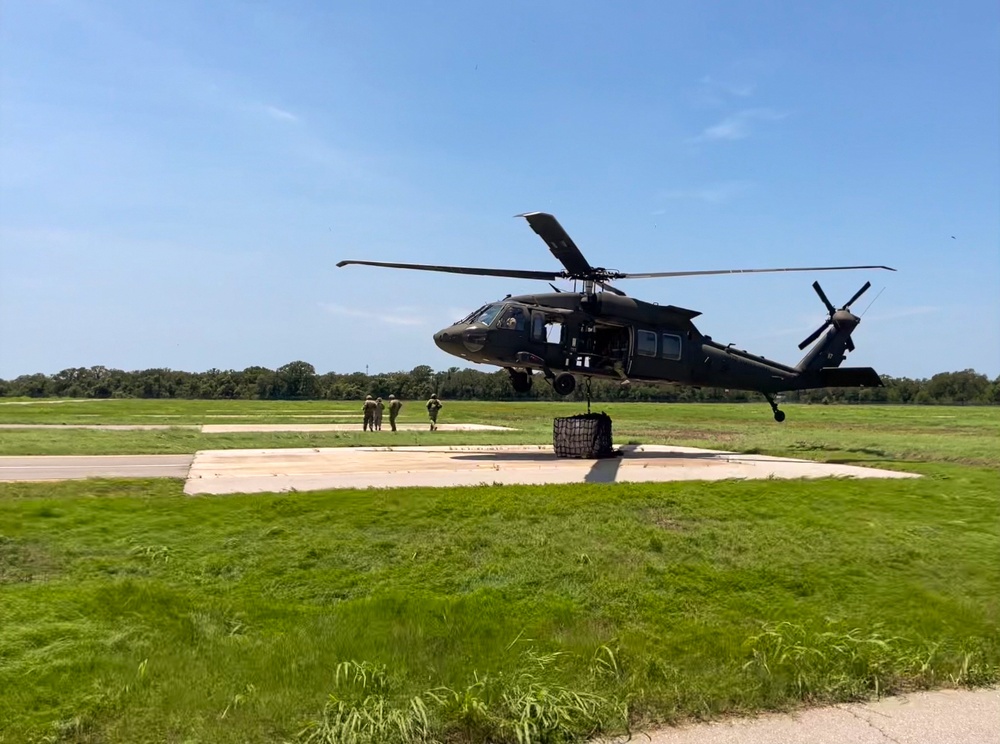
(871, 303)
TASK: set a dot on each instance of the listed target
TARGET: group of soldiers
(373, 408)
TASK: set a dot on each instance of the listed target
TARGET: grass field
(131, 613)
(968, 435)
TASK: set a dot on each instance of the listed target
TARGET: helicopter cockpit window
(537, 327)
(468, 318)
(513, 318)
(487, 315)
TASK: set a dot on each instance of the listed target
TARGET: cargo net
(587, 435)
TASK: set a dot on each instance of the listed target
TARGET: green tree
(296, 380)
(966, 386)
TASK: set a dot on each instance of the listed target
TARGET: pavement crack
(870, 722)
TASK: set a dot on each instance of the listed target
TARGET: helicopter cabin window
(553, 331)
(546, 329)
(645, 343)
(488, 314)
(671, 346)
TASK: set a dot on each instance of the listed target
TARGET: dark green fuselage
(618, 337)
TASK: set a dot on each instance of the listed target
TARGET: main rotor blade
(857, 295)
(826, 300)
(661, 274)
(510, 273)
(559, 242)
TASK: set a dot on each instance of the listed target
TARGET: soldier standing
(433, 406)
(369, 411)
(379, 407)
(394, 405)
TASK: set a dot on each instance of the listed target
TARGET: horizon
(485, 369)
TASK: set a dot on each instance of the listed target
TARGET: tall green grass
(132, 613)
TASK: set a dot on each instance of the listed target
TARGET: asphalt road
(939, 717)
(43, 468)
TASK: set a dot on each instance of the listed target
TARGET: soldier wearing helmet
(394, 405)
(369, 412)
(433, 406)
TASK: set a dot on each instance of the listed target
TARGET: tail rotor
(832, 319)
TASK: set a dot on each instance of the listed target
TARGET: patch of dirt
(665, 521)
(22, 562)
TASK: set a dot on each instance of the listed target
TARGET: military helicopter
(600, 332)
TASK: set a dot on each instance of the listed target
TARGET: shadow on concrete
(628, 452)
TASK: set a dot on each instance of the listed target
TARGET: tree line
(300, 381)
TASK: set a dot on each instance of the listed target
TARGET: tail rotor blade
(857, 295)
(822, 296)
(815, 334)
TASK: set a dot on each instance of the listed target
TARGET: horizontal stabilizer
(849, 377)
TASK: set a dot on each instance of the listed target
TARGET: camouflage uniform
(369, 411)
(379, 407)
(394, 405)
(433, 406)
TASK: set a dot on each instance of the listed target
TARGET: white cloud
(714, 92)
(402, 316)
(741, 91)
(280, 114)
(717, 193)
(903, 312)
(737, 126)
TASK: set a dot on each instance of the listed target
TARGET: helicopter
(600, 332)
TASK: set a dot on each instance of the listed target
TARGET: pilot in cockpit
(513, 319)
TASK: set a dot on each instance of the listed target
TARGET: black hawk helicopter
(600, 332)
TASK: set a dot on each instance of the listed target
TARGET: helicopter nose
(449, 340)
(461, 339)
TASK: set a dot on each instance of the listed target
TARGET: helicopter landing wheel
(520, 381)
(779, 415)
(564, 384)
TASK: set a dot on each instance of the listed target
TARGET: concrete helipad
(250, 471)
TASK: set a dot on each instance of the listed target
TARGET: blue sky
(178, 180)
